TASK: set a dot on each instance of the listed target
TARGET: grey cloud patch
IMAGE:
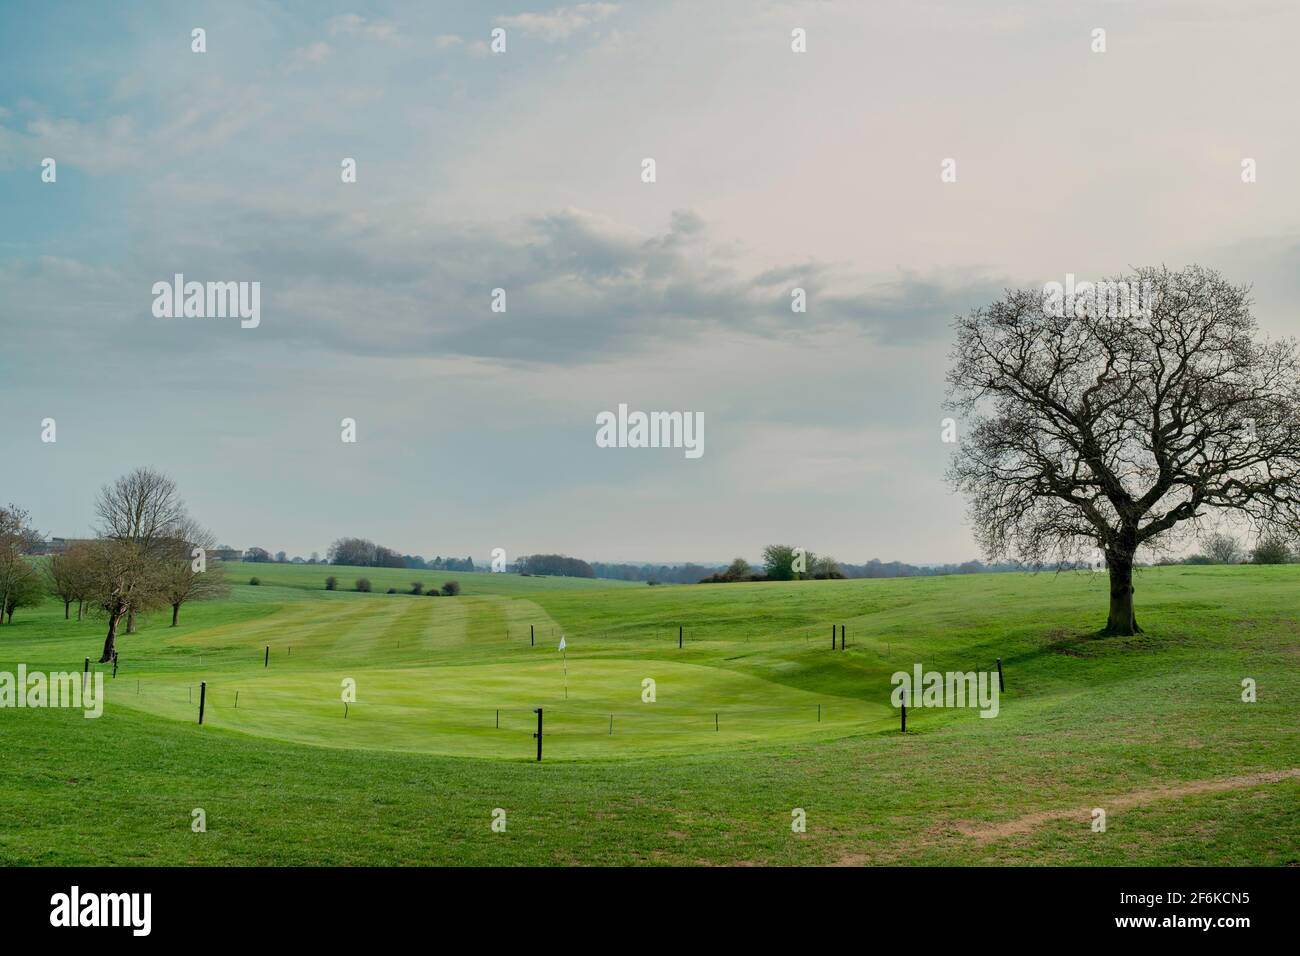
(915, 307)
(579, 288)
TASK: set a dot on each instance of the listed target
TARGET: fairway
(464, 675)
(754, 715)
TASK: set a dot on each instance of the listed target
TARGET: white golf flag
(561, 642)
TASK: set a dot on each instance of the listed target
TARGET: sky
(522, 170)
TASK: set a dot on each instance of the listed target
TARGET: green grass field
(753, 717)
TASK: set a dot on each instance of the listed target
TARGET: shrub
(417, 587)
(1271, 549)
(433, 592)
(331, 583)
(255, 581)
(451, 588)
(392, 591)
(363, 584)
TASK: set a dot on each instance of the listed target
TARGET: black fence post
(85, 675)
(1001, 686)
(203, 695)
(532, 640)
(904, 727)
(538, 735)
(115, 665)
(267, 662)
(843, 638)
(679, 637)
(832, 637)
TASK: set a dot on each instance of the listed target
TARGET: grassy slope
(1085, 722)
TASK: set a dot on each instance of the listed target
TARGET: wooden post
(203, 696)
(832, 637)
(538, 735)
(715, 720)
(498, 718)
(532, 640)
(267, 662)
(679, 637)
(819, 713)
(904, 728)
(1001, 685)
(85, 675)
(345, 710)
(843, 640)
(236, 700)
(611, 725)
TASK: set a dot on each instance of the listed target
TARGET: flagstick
(564, 654)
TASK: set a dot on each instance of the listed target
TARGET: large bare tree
(1095, 426)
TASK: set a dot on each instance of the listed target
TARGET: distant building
(56, 545)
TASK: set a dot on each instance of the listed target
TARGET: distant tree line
(262, 556)
(899, 569)
(439, 563)
(655, 573)
(557, 564)
(782, 563)
(364, 553)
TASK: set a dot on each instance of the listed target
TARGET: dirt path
(985, 832)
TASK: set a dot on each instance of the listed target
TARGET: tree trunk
(176, 610)
(80, 605)
(1122, 620)
(66, 613)
(130, 621)
(110, 642)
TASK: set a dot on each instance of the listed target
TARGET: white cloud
(354, 25)
(561, 23)
(315, 53)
